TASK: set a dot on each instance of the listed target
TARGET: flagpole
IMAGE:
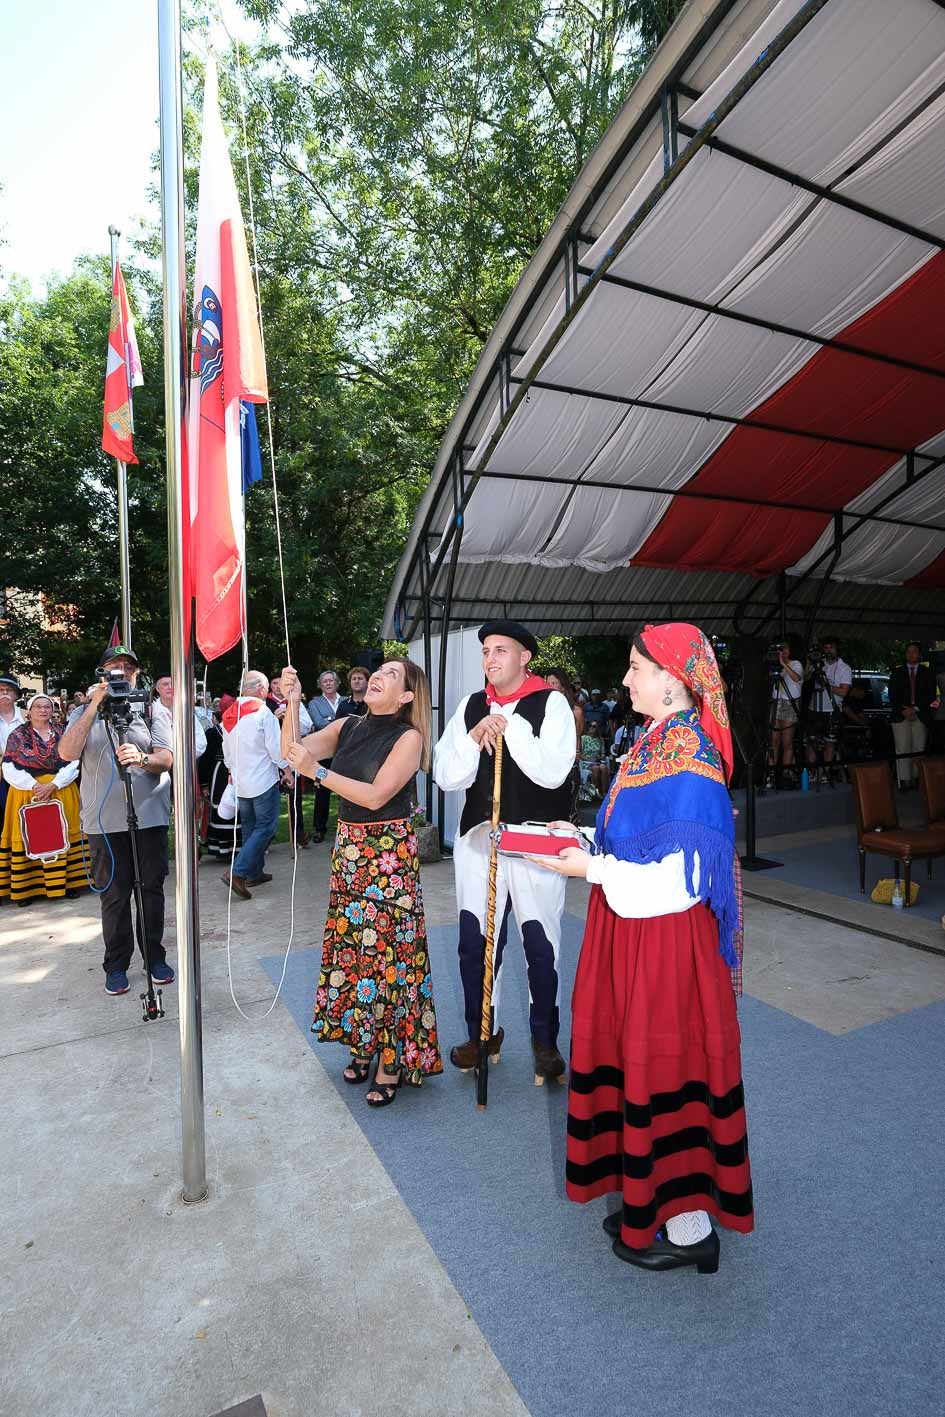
(193, 1141)
(123, 556)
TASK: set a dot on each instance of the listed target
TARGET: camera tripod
(779, 692)
(821, 685)
(152, 1006)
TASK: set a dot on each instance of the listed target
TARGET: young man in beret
(537, 727)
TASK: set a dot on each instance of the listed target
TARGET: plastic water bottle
(898, 896)
(805, 780)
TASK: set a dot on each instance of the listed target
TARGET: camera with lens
(815, 656)
(116, 705)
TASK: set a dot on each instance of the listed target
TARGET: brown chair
(932, 783)
(878, 829)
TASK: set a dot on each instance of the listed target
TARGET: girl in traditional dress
(375, 989)
(34, 772)
(656, 1109)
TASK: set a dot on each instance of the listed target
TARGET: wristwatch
(321, 772)
(144, 760)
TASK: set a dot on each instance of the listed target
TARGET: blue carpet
(830, 1307)
(832, 866)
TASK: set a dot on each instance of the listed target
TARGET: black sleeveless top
(364, 745)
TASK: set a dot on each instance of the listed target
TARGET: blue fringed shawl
(669, 796)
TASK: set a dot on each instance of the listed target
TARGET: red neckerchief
(241, 709)
(531, 684)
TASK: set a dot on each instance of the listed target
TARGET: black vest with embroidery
(521, 800)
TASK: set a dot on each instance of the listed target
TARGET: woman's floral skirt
(375, 989)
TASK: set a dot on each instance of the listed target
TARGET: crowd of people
(817, 697)
(656, 1107)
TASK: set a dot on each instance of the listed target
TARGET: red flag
(228, 366)
(122, 374)
(114, 639)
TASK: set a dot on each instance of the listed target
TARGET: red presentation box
(534, 839)
(44, 830)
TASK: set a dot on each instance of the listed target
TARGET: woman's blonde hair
(419, 711)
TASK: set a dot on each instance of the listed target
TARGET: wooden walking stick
(485, 1029)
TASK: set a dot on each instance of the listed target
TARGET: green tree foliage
(406, 159)
(59, 536)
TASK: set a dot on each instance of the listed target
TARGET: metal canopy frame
(443, 520)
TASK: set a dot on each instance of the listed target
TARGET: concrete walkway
(304, 1278)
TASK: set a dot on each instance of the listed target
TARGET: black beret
(512, 631)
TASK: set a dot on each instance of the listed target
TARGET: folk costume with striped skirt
(31, 759)
(656, 1109)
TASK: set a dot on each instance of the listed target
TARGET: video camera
(773, 656)
(116, 705)
(815, 655)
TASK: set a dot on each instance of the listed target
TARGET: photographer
(787, 679)
(147, 755)
(830, 678)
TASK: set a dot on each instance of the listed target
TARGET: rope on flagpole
(243, 607)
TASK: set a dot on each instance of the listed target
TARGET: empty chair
(878, 829)
(932, 783)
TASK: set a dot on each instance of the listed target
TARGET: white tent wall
(646, 335)
(463, 676)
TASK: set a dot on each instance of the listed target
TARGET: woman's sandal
(387, 1091)
(357, 1071)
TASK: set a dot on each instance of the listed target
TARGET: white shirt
(837, 673)
(546, 758)
(786, 687)
(7, 726)
(641, 891)
(200, 737)
(25, 781)
(252, 752)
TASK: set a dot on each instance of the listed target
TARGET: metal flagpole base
(758, 863)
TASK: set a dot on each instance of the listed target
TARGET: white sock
(688, 1228)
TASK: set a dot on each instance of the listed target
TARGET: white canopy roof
(726, 363)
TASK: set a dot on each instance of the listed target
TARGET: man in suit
(912, 691)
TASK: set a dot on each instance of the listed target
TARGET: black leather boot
(663, 1254)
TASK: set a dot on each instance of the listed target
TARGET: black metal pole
(152, 1008)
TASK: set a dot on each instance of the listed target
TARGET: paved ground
(304, 1278)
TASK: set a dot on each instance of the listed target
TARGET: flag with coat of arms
(122, 375)
(228, 376)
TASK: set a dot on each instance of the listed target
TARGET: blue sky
(78, 128)
(78, 119)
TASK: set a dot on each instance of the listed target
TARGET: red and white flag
(122, 374)
(228, 365)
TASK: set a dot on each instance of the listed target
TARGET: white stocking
(688, 1228)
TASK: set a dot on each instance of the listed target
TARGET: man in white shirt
(252, 753)
(537, 726)
(831, 685)
(164, 688)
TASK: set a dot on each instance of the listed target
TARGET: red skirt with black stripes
(656, 1108)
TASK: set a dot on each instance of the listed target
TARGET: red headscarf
(685, 652)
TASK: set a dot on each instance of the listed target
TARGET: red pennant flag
(228, 366)
(122, 374)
